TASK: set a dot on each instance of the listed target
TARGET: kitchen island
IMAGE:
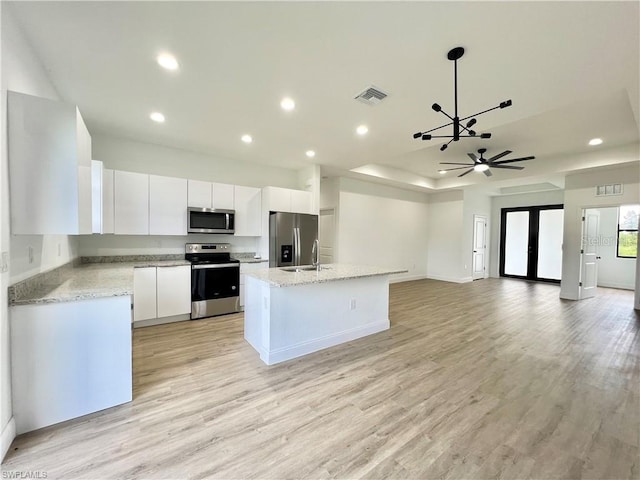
(293, 312)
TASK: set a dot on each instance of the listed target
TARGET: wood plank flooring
(491, 379)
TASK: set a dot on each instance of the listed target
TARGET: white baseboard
(450, 279)
(622, 286)
(8, 434)
(159, 321)
(405, 278)
(288, 353)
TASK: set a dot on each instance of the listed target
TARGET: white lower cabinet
(173, 286)
(161, 294)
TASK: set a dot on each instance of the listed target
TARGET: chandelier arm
(438, 128)
(479, 113)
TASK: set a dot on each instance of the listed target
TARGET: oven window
(212, 283)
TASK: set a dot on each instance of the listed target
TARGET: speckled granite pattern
(328, 273)
(248, 257)
(132, 258)
(81, 282)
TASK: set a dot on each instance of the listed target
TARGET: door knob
(598, 258)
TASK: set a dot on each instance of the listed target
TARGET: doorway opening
(531, 242)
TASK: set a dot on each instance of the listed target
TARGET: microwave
(210, 220)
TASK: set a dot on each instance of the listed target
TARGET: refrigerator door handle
(296, 236)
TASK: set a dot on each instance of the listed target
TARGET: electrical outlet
(352, 304)
(30, 254)
(5, 262)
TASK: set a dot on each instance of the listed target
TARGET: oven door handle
(215, 265)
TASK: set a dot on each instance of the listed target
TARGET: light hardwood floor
(492, 379)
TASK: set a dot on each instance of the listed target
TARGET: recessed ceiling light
(168, 61)
(362, 130)
(595, 141)
(310, 153)
(287, 104)
(246, 138)
(442, 172)
(157, 117)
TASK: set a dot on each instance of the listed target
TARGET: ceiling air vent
(371, 96)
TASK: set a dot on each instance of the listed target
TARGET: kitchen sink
(304, 268)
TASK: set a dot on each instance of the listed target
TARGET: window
(628, 231)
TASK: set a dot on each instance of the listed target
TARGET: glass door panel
(550, 230)
(516, 249)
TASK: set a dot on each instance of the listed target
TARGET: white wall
(580, 194)
(22, 71)
(613, 271)
(381, 225)
(554, 197)
(133, 156)
(446, 237)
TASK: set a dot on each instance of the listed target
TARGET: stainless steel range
(215, 279)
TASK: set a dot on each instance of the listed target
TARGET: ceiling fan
(481, 164)
(458, 127)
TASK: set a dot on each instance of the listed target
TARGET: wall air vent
(371, 96)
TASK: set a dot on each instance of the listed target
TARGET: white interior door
(327, 235)
(589, 253)
(479, 246)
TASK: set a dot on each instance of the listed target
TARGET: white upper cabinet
(211, 195)
(277, 199)
(223, 196)
(248, 206)
(199, 194)
(107, 200)
(49, 167)
(167, 205)
(131, 203)
(96, 196)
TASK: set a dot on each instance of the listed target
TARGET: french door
(531, 242)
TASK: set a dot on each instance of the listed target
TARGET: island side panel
(307, 318)
(256, 314)
(69, 359)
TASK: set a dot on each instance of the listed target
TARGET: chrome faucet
(315, 254)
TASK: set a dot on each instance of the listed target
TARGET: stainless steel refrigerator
(291, 237)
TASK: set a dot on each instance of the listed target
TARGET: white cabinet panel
(173, 290)
(96, 196)
(144, 293)
(167, 205)
(84, 176)
(69, 359)
(131, 203)
(300, 201)
(199, 194)
(107, 200)
(46, 148)
(278, 199)
(223, 196)
(248, 208)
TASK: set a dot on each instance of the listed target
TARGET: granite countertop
(82, 281)
(328, 273)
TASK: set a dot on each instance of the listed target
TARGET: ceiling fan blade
(488, 173)
(500, 155)
(522, 159)
(457, 168)
(455, 163)
(464, 173)
(473, 157)
(510, 167)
